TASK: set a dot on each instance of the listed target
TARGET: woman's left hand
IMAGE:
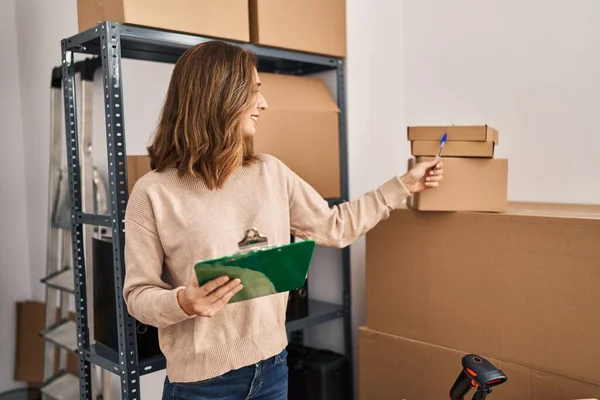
(424, 175)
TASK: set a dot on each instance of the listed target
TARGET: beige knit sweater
(170, 223)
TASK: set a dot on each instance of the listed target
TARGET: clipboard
(264, 270)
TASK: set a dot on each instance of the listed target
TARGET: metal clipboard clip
(253, 241)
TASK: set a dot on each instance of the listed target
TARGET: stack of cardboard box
(519, 288)
(474, 180)
(313, 26)
(508, 281)
(303, 129)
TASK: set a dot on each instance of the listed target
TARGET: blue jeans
(266, 380)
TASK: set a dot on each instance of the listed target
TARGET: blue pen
(442, 142)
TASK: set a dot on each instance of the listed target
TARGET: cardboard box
(453, 148)
(30, 345)
(313, 26)
(465, 133)
(393, 367)
(227, 19)
(301, 128)
(470, 184)
(137, 166)
(520, 286)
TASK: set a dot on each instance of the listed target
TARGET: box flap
(557, 210)
(296, 93)
(537, 209)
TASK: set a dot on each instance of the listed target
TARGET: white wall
(529, 68)
(15, 274)
(40, 27)
(409, 62)
(375, 98)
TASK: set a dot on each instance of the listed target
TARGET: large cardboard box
(470, 184)
(301, 128)
(520, 286)
(313, 26)
(393, 367)
(226, 19)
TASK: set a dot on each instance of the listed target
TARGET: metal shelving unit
(113, 42)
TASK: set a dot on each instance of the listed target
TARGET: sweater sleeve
(311, 217)
(148, 297)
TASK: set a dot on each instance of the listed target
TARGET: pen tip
(444, 138)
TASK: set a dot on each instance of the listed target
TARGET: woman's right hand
(209, 298)
(424, 175)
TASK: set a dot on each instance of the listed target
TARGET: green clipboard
(263, 271)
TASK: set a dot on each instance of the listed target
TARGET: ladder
(61, 334)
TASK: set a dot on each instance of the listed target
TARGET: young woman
(207, 188)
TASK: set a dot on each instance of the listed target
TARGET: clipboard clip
(252, 241)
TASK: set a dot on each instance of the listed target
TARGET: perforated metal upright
(73, 165)
(112, 42)
(126, 366)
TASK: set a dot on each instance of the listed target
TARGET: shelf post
(110, 44)
(73, 164)
(346, 270)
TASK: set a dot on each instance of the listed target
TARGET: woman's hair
(200, 128)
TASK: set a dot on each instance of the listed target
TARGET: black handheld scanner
(477, 373)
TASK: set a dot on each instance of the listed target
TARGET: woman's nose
(262, 102)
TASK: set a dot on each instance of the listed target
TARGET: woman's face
(251, 117)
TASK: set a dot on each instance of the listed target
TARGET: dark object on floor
(317, 374)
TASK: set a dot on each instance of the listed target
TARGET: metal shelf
(65, 387)
(112, 42)
(64, 335)
(108, 359)
(62, 280)
(94, 219)
(318, 312)
(153, 364)
(104, 357)
(141, 43)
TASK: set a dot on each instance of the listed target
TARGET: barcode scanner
(477, 373)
